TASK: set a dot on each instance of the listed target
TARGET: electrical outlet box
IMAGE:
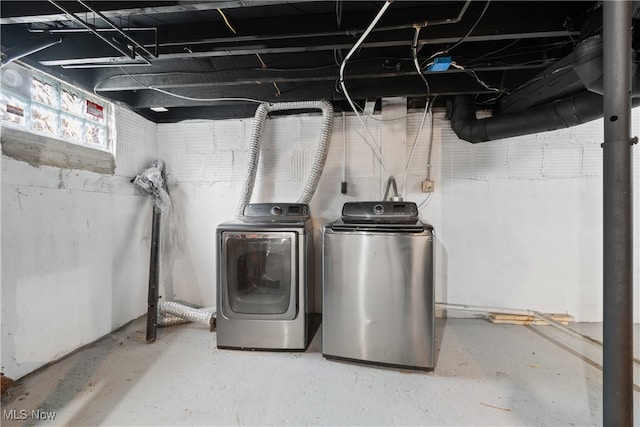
(427, 186)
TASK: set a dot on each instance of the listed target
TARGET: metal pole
(617, 219)
(154, 276)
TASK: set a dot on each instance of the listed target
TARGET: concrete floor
(486, 374)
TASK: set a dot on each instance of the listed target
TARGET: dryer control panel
(276, 210)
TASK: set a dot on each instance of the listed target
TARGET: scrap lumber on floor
(520, 319)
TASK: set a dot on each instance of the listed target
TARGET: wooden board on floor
(518, 319)
(6, 382)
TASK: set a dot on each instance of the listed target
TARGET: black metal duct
(564, 113)
(581, 107)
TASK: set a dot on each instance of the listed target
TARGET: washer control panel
(383, 212)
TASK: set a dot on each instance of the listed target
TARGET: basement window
(63, 125)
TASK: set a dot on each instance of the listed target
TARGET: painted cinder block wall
(75, 251)
(518, 221)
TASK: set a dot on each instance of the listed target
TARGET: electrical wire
(344, 147)
(430, 139)
(372, 145)
(226, 21)
(428, 198)
(495, 51)
(427, 107)
(414, 53)
(427, 110)
(262, 63)
(524, 50)
(473, 74)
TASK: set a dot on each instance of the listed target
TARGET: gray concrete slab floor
(486, 375)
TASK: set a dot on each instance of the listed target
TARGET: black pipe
(617, 391)
(572, 111)
(154, 276)
(564, 113)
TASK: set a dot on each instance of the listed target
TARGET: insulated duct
(581, 108)
(255, 143)
(585, 105)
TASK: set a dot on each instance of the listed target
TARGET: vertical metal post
(154, 276)
(617, 219)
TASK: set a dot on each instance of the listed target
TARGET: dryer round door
(259, 275)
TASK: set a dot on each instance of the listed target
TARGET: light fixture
(159, 109)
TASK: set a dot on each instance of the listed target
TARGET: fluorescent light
(159, 109)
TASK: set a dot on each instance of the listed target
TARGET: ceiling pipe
(347, 32)
(93, 31)
(581, 106)
(561, 114)
(34, 46)
(222, 51)
(179, 7)
(251, 49)
(122, 33)
(71, 15)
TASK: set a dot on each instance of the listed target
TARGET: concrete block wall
(75, 251)
(518, 221)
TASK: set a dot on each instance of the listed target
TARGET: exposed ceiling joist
(30, 15)
(281, 50)
(242, 50)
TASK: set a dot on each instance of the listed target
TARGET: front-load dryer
(265, 277)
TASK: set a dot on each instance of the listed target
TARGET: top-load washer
(265, 274)
(378, 286)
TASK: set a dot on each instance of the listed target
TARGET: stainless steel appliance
(265, 271)
(378, 286)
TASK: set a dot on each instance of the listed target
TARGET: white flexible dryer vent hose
(255, 142)
(171, 313)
